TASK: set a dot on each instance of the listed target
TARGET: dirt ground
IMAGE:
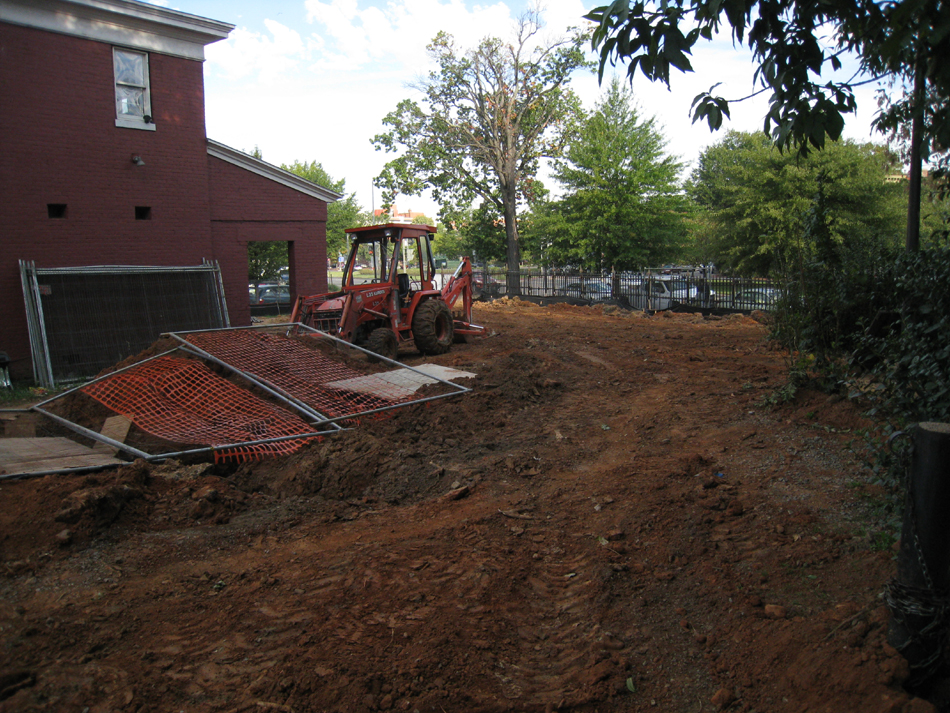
(614, 519)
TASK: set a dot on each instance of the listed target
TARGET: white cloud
(254, 55)
(397, 34)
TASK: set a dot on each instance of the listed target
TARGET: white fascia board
(128, 23)
(271, 172)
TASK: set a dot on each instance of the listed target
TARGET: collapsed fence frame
(125, 448)
(458, 390)
(318, 420)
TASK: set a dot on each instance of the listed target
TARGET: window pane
(129, 101)
(129, 68)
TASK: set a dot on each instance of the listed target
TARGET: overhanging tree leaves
(908, 39)
(623, 207)
(488, 117)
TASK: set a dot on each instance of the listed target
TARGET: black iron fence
(638, 290)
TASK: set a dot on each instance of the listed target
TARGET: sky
(311, 80)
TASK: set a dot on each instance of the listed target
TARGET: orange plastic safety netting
(182, 401)
(307, 374)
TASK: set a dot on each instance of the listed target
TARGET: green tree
(342, 214)
(904, 39)
(758, 202)
(623, 205)
(265, 259)
(447, 242)
(482, 232)
(489, 115)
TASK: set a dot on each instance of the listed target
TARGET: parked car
(655, 294)
(489, 284)
(756, 298)
(595, 289)
(690, 292)
(273, 294)
(681, 290)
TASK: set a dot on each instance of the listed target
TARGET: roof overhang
(271, 172)
(129, 23)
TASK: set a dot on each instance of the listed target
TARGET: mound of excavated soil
(613, 520)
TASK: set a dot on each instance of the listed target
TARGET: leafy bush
(876, 321)
(907, 354)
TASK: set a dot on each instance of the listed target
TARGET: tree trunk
(912, 240)
(513, 276)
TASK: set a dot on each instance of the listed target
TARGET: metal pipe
(280, 325)
(263, 441)
(93, 434)
(42, 371)
(31, 328)
(360, 414)
(222, 299)
(379, 357)
(108, 269)
(174, 454)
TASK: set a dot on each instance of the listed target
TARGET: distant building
(105, 160)
(396, 217)
(900, 177)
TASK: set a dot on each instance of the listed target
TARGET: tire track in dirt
(581, 558)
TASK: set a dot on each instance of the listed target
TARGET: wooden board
(116, 428)
(32, 455)
(23, 426)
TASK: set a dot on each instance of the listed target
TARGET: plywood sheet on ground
(401, 383)
(36, 455)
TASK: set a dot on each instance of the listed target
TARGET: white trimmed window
(133, 105)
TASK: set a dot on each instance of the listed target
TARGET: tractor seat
(403, 288)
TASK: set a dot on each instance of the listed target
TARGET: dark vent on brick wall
(143, 212)
(56, 210)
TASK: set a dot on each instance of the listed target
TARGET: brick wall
(248, 207)
(61, 145)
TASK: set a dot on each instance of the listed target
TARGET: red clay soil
(614, 519)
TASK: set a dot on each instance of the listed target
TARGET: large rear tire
(383, 341)
(433, 328)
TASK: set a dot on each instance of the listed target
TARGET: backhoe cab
(401, 301)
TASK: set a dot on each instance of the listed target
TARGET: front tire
(383, 341)
(433, 328)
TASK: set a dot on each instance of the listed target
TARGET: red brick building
(104, 158)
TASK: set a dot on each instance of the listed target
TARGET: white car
(652, 294)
